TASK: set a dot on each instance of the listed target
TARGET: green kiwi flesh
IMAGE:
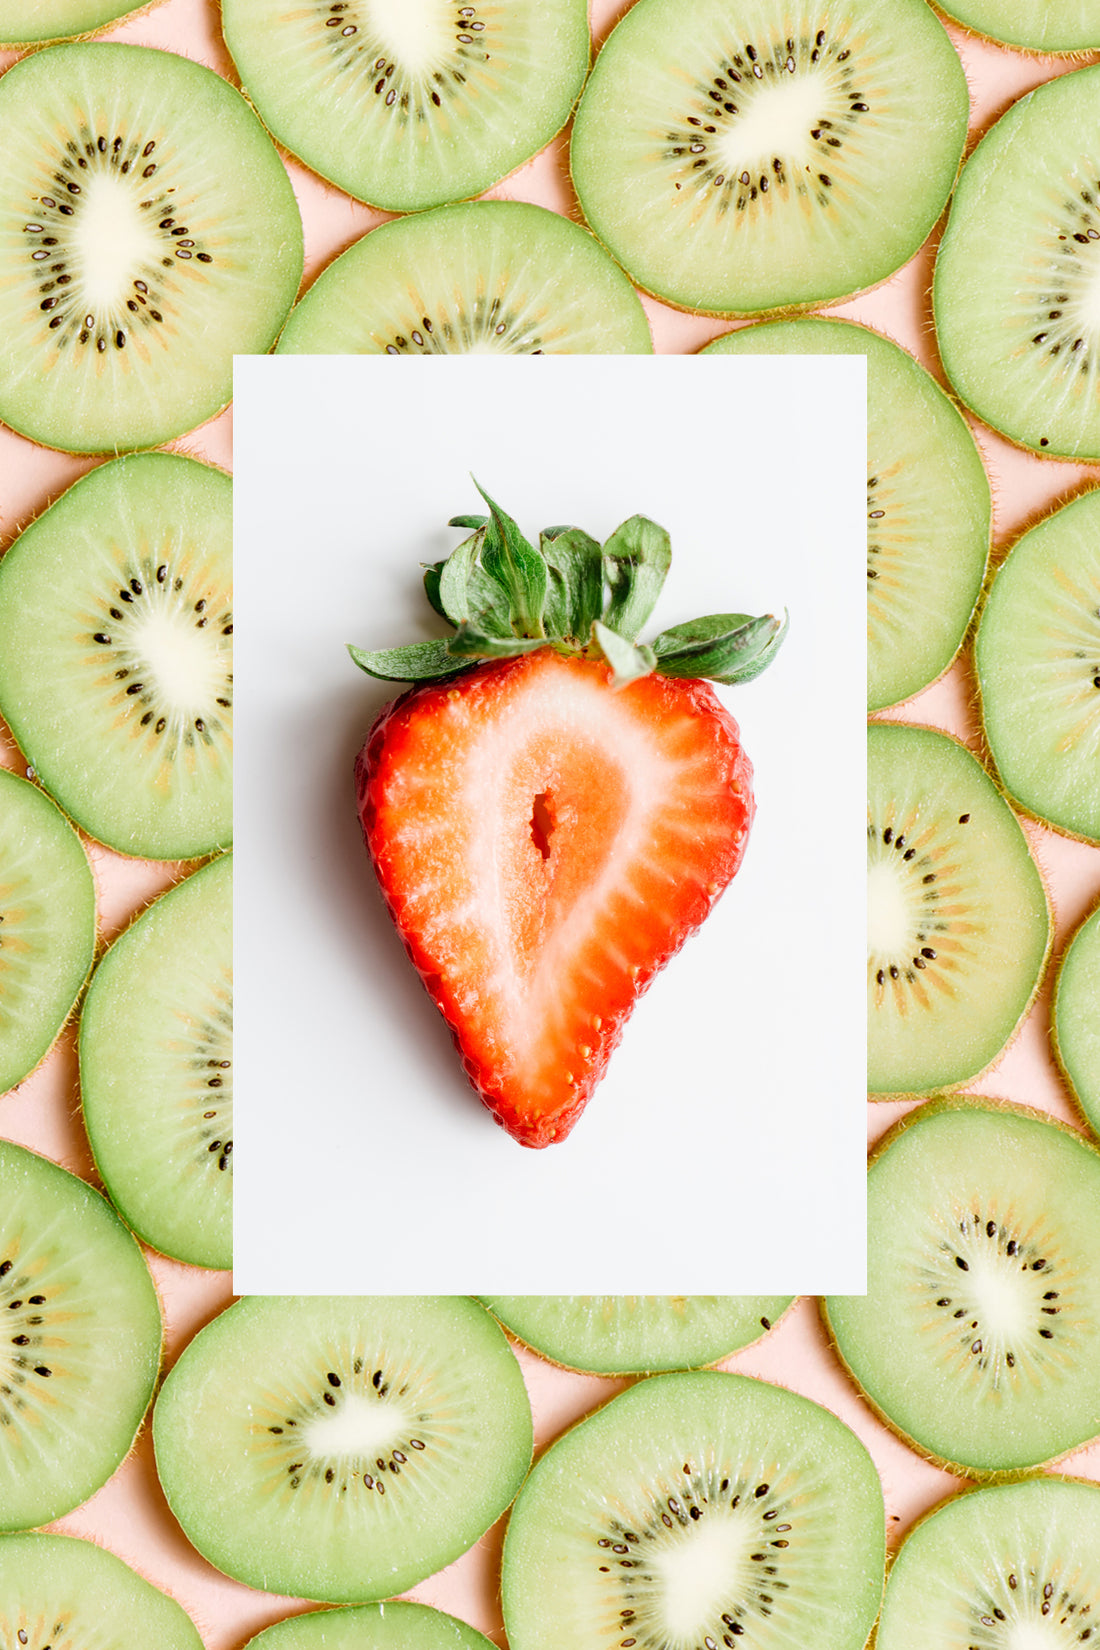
(156, 1048)
(637, 1334)
(116, 654)
(58, 1591)
(408, 104)
(929, 512)
(978, 1339)
(1005, 1565)
(697, 1509)
(1037, 657)
(481, 277)
(81, 1344)
(1017, 272)
(958, 922)
(1034, 25)
(371, 1627)
(738, 156)
(23, 24)
(342, 1449)
(47, 925)
(1076, 1016)
(148, 232)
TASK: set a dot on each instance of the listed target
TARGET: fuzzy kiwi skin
(945, 1103)
(907, 1095)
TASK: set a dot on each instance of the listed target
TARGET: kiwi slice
(81, 1343)
(408, 106)
(47, 925)
(148, 232)
(116, 654)
(696, 1509)
(371, 1627)
(23, 24)
(1035, 25)
(1037, 655)
(928, 504)
(744, 155)
(342, 1448)
(1015, 315)
(978, 1339)
(637, 1334)
(482, 277)
(57, 1591)
(1005, 1565)
(1077, 1020)
(957, 919)
(156, 1047)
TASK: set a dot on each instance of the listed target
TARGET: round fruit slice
(81, 1345)
(698, 1508)
(33, 25)
(371, 1627)
(1036, 25)
(342, 1449)
(957, 918)
(156, 1048)
(148, 232)
(484, 277)
(57, 1590)
(1013, 1564)
(637, 1334)
(408, 103)
(979, 1336)
(1077, 1017)
(1037, 655)
(116, 654)
(1013, 295)
(47, 925)
(739, 156)
(928, 503)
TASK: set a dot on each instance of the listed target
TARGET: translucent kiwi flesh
(739, 156)
(1077, 1020)
(958, 924)
(342, 1449)
(408, 103)
(47, 925)
(979, 1337)
(156, 1079)
(22, 24)
(928, 503)
(637, 1334)
(148, 231)
(482, 277)
(999, 1566)
(697, 1509)
(1037, 656)
(116, 654)
(82, 1340)
(72, 1594)
(393, 1626)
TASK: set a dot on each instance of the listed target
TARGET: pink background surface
(129, 1515)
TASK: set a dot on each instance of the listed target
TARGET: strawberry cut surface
(545, 843)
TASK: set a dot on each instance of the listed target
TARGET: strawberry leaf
(574, 582)
(725, 647)
(466, 590)
(628, 661)
(636, 560)
(432, 574)
(470, 643)
(468, 521)
(422, 661)
(517, 567)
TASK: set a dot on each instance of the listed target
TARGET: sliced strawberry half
(545, 844)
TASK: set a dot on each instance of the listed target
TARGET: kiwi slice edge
(1032, 915)
(833, 1307)
(47, 1578)
(395, 1625)
(1075, 1035)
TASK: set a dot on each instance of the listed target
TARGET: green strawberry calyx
(505, 597)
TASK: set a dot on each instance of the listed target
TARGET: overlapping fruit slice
(694, 1509)
(1076, 1016)
(341, 1449)
(637, 1334)
(979, 1336)
(393, 1626)
(156, 1056)
(82, 1336)
(56, 1590)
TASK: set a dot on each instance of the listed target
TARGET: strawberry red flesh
(545, 843)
